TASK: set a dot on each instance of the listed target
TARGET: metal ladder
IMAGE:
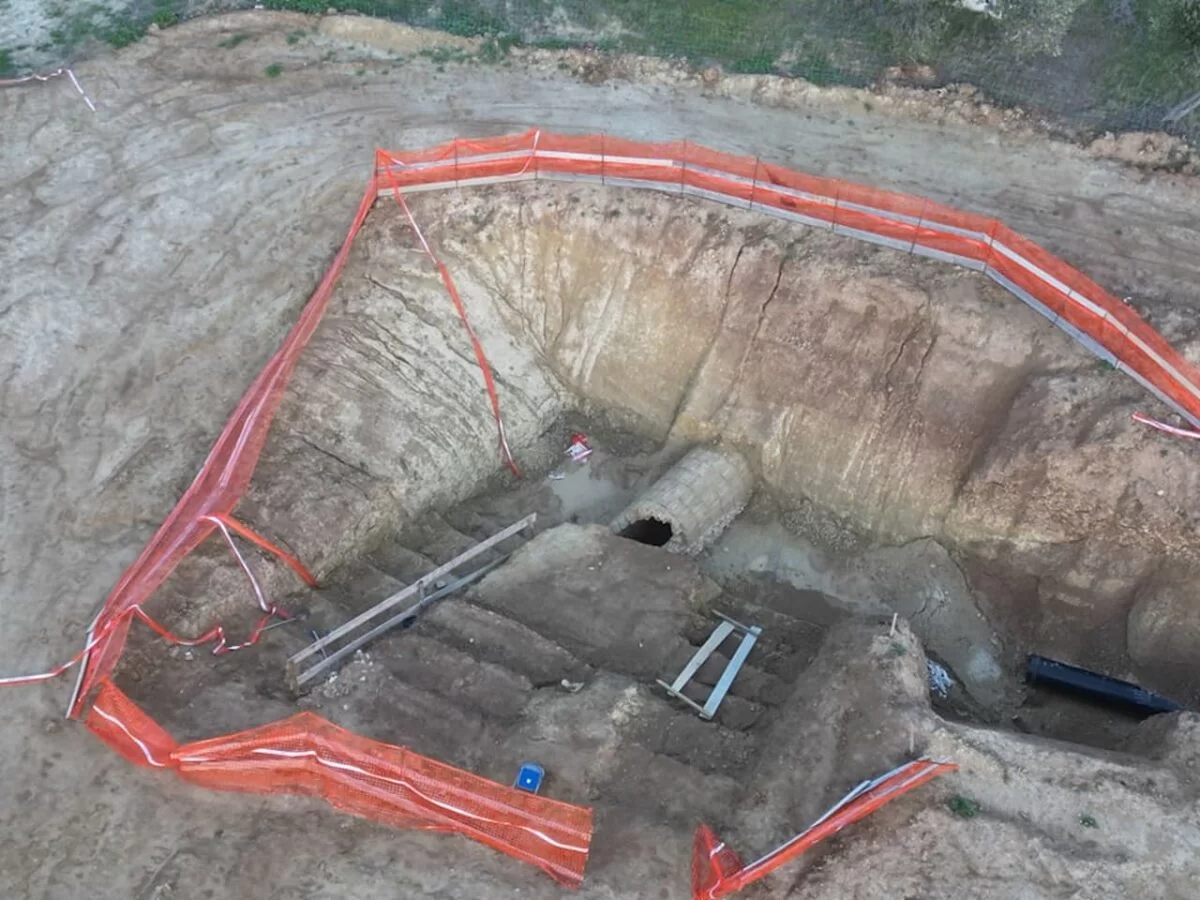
(345, 639)
(727, 627)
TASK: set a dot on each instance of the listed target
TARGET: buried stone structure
(691, 504)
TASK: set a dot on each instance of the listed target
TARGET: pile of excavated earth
(905, 478)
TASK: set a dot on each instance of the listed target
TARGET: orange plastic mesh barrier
(714, 865)
(307, 755)
(1091, 315)
(1094, 317)
(717, 871)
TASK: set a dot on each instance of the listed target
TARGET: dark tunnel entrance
(654, 532)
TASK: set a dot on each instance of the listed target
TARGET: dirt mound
(984, 831)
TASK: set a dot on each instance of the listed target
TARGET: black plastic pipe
(1040, 670)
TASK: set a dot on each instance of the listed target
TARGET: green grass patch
(745, 35)
(823, 41)
(70, 32)
(123, 32)
(761, 62)
(816, 66)
(490, 52)
(233, 40)
(274, 70)
(1159, 59)
(164, 15)
(469, 19)
(294, 37)
(554, 44)
(963, 807)
(925, 33)
(312, 7)
(443, 55)
(494, 49)
(98, 23)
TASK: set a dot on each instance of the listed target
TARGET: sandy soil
(153, 254)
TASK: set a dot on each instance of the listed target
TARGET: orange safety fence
(1094, 317)
(717, 871)
(310, 756)
(448, 281)
(1091, 315)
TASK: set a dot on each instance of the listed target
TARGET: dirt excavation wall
(880, 397)
(875, 393)
(385, 417)
(387, 413)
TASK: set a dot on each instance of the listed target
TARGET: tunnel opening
(651, 531)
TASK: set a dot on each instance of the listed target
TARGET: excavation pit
(873, 397)
(889, 415)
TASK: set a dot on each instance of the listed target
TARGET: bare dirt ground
(154, 252)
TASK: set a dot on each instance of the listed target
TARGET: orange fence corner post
(717, 871)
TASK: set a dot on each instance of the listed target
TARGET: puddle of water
(748, 548)
(589, 493)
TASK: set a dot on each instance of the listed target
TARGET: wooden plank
(416, 587)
